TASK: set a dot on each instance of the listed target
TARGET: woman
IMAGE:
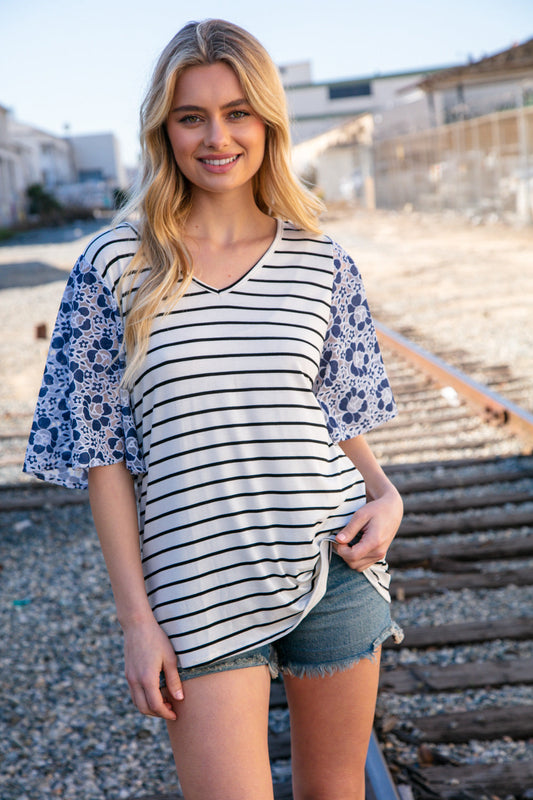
(212, 370)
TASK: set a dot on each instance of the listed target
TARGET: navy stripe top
(231, 429)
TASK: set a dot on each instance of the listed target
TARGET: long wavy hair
(162, 268)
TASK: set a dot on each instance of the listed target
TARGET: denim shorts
(349, 623)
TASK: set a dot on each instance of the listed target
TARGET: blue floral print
(83, 417)
(351, 386)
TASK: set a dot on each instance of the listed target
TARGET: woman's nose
(216, 134)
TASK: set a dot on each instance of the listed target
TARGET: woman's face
(217, 140)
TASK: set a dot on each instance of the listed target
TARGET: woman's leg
(220, 739)
(331, 723)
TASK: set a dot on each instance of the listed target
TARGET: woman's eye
(239, 114)
(190, 119)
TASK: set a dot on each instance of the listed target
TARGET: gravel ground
(68, 728)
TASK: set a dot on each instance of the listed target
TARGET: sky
(86, 65)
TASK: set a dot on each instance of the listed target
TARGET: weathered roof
(376, 76)
(514, 62)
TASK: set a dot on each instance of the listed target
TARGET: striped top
(232, 431)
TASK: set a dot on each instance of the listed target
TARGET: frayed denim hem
(273, 666)
(296, 670)
(225, 665)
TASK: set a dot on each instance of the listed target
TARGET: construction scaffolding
(480, 167)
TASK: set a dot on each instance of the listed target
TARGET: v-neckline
(253, 269)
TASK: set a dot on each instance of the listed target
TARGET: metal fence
(481, 166)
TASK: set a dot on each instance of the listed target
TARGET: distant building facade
(99, 171)
(476, 158)
(457, 138)
(43, 157)
(340, 161)
(8, 172)
(80, 171)
(318, 107)
(495, 83)
(334, 123)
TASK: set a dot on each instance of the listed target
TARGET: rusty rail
(492, 405)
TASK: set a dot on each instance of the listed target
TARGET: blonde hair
(162, 198)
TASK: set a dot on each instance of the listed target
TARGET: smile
(219, 162)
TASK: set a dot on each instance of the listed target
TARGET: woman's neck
(224, 219)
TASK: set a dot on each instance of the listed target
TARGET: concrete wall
(97, 157)
(14, 167)
(480, 167)
(339, 162)
(413, 115)
(46, 159)
(297, 73)
(345, 173)
(476, 100)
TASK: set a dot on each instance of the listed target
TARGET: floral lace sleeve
(351, 386)
(83, 417)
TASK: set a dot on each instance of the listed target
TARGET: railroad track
(455, 712)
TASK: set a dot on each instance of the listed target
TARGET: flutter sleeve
(351, 386)
(83, 416)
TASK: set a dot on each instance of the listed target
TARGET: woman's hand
(376, 523)
(147, 649)
(147, 652)
(375, 526)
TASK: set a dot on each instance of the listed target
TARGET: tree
(42, 203)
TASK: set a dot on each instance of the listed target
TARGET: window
(353, 89)
(91, 175)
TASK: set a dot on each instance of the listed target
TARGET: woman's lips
(220, 163)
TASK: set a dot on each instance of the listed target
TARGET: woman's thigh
(331, 723)
(330, 664)
(220, 739)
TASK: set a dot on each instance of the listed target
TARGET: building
(99, 171)
(8, 181)
(339, 161)
(318, 107)
(495, 83)
(80, 171)
(458, 138)
(476, 158)
(44, 158)
(334, 124)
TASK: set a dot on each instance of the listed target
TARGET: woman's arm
(147, 649)
(378, 520)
